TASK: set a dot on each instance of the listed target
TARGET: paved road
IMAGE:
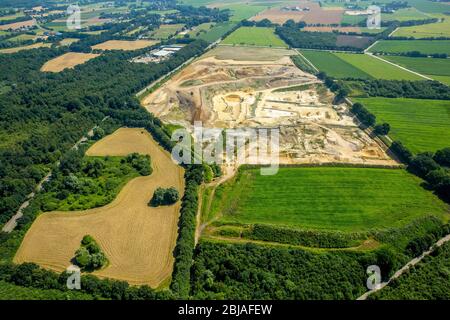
(406, 267)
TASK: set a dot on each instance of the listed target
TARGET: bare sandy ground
(237, 88)
(67, 60)
(137, 239)
(124, 45)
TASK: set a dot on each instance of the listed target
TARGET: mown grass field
(217, 31)
(421, 125)
(330, 198)
(423, 46)
(333, 65)
(377, 68)
(165, 31)
(438, 29)
(242, 11)
(404, 14)
(427, 66)
(255, 36)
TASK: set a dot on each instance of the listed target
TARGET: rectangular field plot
(427, 66)
(254, 36)
(423, 46)
(377, 68)
(338, 198)
(421, 125)
(438, 29)
(333, 65)
(217, 31)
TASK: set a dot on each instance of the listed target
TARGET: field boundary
(405, 69)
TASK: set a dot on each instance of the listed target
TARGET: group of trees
(308, 238)
(89, 256)
(338, 87)
(364, 116)
(32, 276)
(414, 54)
(406, 89)
(313, 40)
(428, 280)
(434, 168)
(164, 197)
(249, 271)
(53, 110)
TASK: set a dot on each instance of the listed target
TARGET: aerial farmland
(190, 150)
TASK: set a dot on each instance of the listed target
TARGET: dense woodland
(52, 111)
(428, 280)
(404, 89)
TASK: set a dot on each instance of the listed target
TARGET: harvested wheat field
(137, 239)
(31, 46)
(18, 25)
(67, 60)
(124, 45)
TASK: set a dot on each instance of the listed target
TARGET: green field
(353, 20)
(216, 32)
(165, 31)
(423, 46)
(334, 66)
(438, 29)
(404, 14)
(329, 198)
(377, 68)
(200, 29)
(254, 36)
(426, 66)
(242, 11)
(421, 125)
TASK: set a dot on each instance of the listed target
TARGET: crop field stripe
(254, 36)
(422, 125)
(423, 46)
(440, 67)
(337, 198)
(333, 65)
(377, 68)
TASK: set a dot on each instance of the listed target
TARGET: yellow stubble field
(137, 239)
(67, 60)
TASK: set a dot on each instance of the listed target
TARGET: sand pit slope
(138, 240)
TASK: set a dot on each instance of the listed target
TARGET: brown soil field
(315, 14)
(331, 29)
(353, 41)
(138, 240)
(32, 46)
(18, 25)
(124, 45)
(67, 60)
